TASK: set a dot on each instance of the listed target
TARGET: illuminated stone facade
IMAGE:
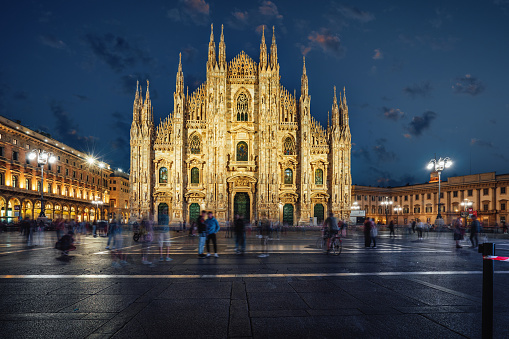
(70, 186)
(240, 143)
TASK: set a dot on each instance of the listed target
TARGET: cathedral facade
(240, 144)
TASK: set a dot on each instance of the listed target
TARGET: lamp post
(387, 202)
(466, 204)
(43, 158)
(438, 166)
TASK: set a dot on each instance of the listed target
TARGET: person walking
(202, 233)
(367, 233)
(458, 231)
(112, 229)
(164, 240)
(264, 236)
(420, 227)
(413, 226)
(391, 229)
(331, 226)
(212, 229)
(373, 233)
(475, 228)
(240, 234)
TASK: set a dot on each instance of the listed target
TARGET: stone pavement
(403, 289)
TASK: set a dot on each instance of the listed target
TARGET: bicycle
(336, 244)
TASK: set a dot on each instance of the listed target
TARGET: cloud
(393, 113)
(193, 81)
(325, 40)
(361, 153)
(189, 53)
(423, 89)
(190, 11)
(468, 85)
(81, 97)
(51, 41)
(267, 14)
(355, 14)
(20, 95)
(438, 20)
(378, 54)
(268, 8)
(481, 143)
(381, 152)
(116, 51)
(385, 178)
(433, 42)
(420, 123)
(66, 128)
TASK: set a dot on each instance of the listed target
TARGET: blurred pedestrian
(212, 229)
(240, 234)
(391, 229)
(264, 236)
(458, 231)
(202, 233)
(420, 227)
(475, 228)
(164, 240)
(373, 233)
(367, 233)
(60, 228)
(146, 241)
(112, 228)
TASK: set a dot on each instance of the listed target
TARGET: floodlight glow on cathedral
(240, 144)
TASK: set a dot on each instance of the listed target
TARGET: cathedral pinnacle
(212, 49)
(304, 79)
(273, 50)
(222, 50)
(304, 65)
(263, 51)
(180, 77)
(335, 102)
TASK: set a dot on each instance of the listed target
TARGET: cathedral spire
(222, 50)
(263, 51)
(273, 50)
(304, 79)
(335, 110)
(147, 96)
(212, 49)
(180, 77)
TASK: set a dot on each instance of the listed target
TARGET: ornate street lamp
(438, 166)
(466, 204)
(355, 206)
(387, 202)
(43, 158)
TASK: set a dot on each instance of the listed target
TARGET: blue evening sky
(421, 77)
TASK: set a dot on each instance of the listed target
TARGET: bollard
(487, 290)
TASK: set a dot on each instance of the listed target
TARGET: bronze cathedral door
(241, 205)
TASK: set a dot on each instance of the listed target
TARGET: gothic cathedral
(240, 143)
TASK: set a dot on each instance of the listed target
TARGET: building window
(15, 156)
(373, 209)
(455, 194)
(195, 144)
(74, 174)
(429, 209)
(358, 197)
(15, 141)
(485, 191)
(365, 198)
(428, 196)
(441, 195)
(15, 183)
(114, 188)
(288, 176)
(1, 151)
(502, 206)
(242, 107)
(417, 210)
(28, 184)
(66, 161)
(242, 151)
(195, 175)
(49, 167)
(59, 169)
(163, 175)
(27, 146)
(319, 177)
(373, 198)
(502, 190)
(49, 188)
(485, 207)
(81, 176)
(417, 197)
(406, 197)
(406, 210)
(395, 199)
(470, 193)
(66, 171)
(289, 146)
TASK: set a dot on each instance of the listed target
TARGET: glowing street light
(43, 158)
(387, 202)
(438, 166)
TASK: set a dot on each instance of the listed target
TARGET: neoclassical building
(240, 143)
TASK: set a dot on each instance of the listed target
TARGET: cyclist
(330, 226)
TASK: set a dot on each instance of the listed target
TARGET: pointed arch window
(195, 144)
(163, 175)
(289, 146)
(242, 151)
(242, 107)
(319, 177)
(288, 180)
(195, 175)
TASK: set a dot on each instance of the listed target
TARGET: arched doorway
(319, 211)
(288, 214)
(162, 214)
(194, 212)
(241, 205)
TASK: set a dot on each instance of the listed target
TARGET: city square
(164, 171)
(404, 288)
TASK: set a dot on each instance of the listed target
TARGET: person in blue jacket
(212, 229)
